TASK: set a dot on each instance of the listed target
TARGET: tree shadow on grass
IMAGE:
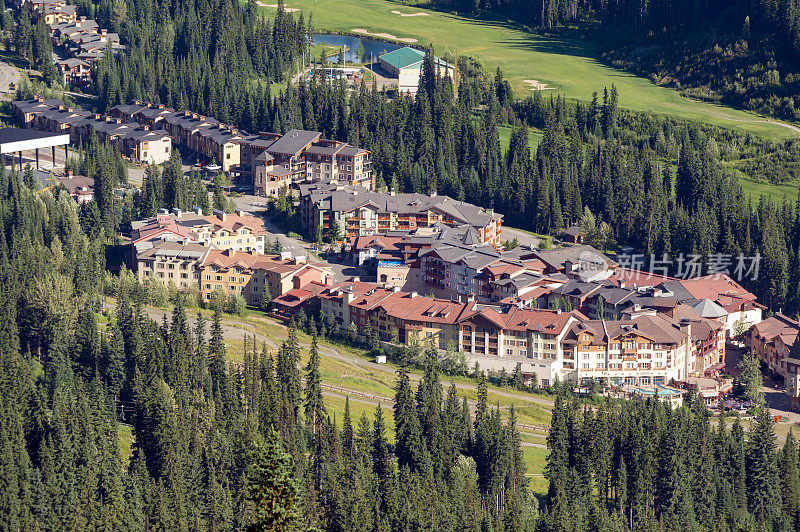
(565, 41)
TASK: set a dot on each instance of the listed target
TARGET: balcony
(438, 274)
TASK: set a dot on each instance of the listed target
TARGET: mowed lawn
(568, 66)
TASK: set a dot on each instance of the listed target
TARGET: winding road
(8, 74)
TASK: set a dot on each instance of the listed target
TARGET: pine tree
(790, 479)
(314, 405)
(271, 487)
(762, 471)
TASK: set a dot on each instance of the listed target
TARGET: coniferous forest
(251, 446)
(216, 445)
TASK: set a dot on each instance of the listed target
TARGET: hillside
(567, 66)
(740, 55)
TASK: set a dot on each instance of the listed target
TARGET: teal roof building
(405, 64)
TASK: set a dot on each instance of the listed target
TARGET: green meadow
(566, 65)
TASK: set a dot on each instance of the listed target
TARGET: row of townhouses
(80, 39)
(270, 160)
(645, 347)
(86, 44)
(358, 211)
(54, 11)
(146, 134)
(137, 142)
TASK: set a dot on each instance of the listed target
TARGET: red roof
(156, 229)
(629, 277)
(297, 296)
(715, 286)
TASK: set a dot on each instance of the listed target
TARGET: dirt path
(238, 331)
(773, 122)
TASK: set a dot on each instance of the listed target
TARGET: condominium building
(252, 274)
(172, 262)
(644, 347)
(239, 231)
(137, 142)
(358, 211)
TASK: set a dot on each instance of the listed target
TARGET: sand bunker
(384, 35)
(287, 9)
(537, 85)
(418, 14)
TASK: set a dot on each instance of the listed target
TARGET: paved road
(256, 204)
(8, 74)
(525, 239)
(777, 400)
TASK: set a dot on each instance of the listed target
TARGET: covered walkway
(15, 141)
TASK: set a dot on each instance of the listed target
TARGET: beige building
(251, 274)
(172, 262)
(239, 231)
(269, 179)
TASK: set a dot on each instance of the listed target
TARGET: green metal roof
(403, 57)
(406, 57)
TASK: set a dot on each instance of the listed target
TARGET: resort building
(355, 211)
(405, 64)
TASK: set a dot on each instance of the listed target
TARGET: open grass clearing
(775, 192)
(567, 65)
(504, 134)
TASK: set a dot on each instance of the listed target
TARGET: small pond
(371, 47)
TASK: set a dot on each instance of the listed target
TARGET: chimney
(220, 214)
(433, 194)
(355, 193)
(240, 212)
(348, 296)
(392, 192)
(395, 289)
(83, 19)
(177, 212)
(413, 295)
(286, 255)
(197, 210)
(470, 298)
(299, 259)
(230, 252)
(355, 279)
